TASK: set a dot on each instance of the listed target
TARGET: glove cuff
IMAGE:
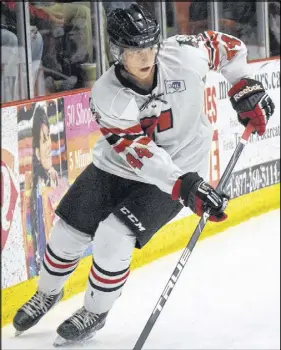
(245, 88)
(176, 190)
(237, 87)
(187, 181)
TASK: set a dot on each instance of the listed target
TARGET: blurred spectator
(274, 27)
(246, 15)
(13, 52)
(193, 17)
(182, 15)
(9, 61)
(235, 18)
(68, 43)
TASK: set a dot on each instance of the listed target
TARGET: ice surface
(228, 297)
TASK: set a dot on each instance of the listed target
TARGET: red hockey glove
(252, 103)
(199, 195)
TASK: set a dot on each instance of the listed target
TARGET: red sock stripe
(60, 265)
(107, 281)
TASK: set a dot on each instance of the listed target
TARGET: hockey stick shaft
(193, 240)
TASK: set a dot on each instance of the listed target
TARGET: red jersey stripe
(126, 143)
(136, 129)
(122, 145)
(144, 140)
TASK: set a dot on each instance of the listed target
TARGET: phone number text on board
(253, 178)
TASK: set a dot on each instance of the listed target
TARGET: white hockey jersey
(159, 136)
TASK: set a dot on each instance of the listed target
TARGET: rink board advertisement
(44, 150)
(42, 173)
(251, 179)
(82, 131)
(12, 252)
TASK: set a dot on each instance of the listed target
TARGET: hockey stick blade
(191, 244)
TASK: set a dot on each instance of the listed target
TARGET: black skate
(81, 326)
(33, 310)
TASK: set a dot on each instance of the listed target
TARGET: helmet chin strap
(157, 52)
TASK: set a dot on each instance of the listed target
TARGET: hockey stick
(194, 238)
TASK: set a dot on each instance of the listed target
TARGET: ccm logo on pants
(132, 218)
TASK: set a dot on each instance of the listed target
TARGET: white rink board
(12, 245)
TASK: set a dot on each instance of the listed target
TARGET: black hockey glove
(198, 195)
(252, 103)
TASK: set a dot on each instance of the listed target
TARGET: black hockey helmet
(133, 28)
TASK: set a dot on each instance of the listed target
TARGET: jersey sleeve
(129, 140)
(226, 54)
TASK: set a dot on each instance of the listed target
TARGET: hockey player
(150, 162)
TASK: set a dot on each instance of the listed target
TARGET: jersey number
(163, 122)
(231, 44)
(141, 152)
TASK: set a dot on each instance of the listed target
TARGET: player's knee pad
(67, 242)
(63, 251)
(113, 244)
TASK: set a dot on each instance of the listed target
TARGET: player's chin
(145, 71)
